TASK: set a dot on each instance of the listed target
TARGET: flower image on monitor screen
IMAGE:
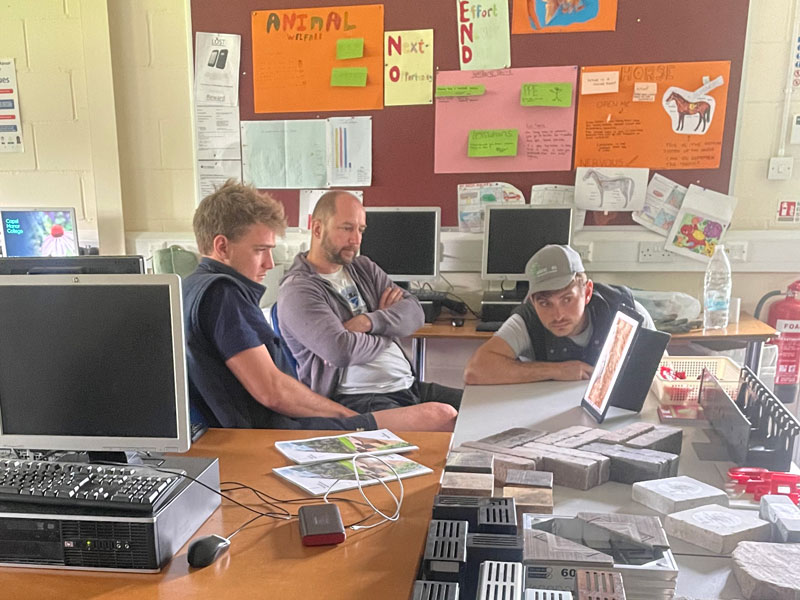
(39, 233)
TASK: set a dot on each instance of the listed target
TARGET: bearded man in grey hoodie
(341, 317)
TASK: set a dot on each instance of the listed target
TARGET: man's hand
(391, 295)
(358, 324)
(571, 370)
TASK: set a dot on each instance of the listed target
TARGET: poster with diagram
(676, 121)
(318, 59)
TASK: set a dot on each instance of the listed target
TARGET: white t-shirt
(514, 333)
(387, 372)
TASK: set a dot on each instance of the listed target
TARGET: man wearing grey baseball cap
(559, 330)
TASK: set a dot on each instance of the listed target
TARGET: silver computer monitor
(514, 233)
(93, 362)
(38, 232)
(404, 241)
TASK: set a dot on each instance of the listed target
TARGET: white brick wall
(152, 80)
(49, 40)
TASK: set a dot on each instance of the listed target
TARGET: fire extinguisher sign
(788, 351)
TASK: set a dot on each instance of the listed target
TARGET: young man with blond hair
(238, 373)
(558, 331)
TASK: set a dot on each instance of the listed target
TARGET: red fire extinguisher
(784, 316)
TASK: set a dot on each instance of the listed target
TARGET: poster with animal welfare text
(675, 122)
(563, 16)
(318, 59)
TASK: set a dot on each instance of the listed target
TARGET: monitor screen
(67, 265)
(512, 234)
(92, 362)
(38, 232)
(403, 241)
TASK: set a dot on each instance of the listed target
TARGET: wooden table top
(267, 559)
(748, 329)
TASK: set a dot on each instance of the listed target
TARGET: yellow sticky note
(349, 77)
(349, 48)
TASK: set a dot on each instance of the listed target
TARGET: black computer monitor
(72, 265)
(93, 362)
(403, 241)
(512, 234)
(38, 232)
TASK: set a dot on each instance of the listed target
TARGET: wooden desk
(553, 405)
(748, 330)
(267, 560)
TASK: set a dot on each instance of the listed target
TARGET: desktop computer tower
(496, 308)
(63, 537)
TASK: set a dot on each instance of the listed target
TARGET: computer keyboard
(488, 325)
(81, 484)
(429, 295)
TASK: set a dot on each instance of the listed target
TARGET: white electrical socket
(585, 251)
(737, 251)
(653, 252)
(780, 167)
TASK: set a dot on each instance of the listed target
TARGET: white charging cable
(398, 501)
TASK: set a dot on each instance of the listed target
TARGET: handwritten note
(451, 91)
(349, 48)
(492, 142)
(599, 82)
(546, 94)
(645, 91)
(349, 77)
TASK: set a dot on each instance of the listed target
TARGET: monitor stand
(498, 306)
(128, 457)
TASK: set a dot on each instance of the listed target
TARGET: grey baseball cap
(552, 268)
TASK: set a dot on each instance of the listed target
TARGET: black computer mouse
(205, 550)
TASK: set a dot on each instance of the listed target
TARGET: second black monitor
(515, 233)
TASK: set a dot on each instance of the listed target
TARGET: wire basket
(686, 391)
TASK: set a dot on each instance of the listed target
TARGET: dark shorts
(418, 393)
(364, 422)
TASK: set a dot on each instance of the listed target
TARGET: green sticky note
(451, 91)
(492, 142)
(546, 94)
(349, 77)
(349, 48)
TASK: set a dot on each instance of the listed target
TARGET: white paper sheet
(349, 151)
(212, 174)
(473, 197)
(701, 223)
(218, 133)
(264, 153)
(217, 57)
(305, 153)
(664, 198)
(10, 122)
(610, 188)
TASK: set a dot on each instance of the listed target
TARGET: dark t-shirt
(222, 318)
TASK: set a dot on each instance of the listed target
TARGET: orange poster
(659, 115)
(563, 16)
(313, 59)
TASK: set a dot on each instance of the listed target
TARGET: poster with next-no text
(681, 126)
(298, 65)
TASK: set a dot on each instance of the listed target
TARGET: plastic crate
(686, 391)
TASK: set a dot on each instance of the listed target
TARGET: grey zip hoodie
(311, 313)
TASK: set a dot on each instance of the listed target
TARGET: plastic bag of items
(674, 312)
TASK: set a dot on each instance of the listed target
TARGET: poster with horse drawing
(680, 126)
(610, 189)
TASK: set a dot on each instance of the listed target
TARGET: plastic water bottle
(717, 290)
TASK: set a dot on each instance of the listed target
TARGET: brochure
(318, 478)
(337, 447)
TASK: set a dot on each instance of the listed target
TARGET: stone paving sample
(674, 494)
(767, 571)
(717, 528)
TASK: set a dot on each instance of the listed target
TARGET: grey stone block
(717, 528)
(662, 437)
(674, 494)
(767, 571)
